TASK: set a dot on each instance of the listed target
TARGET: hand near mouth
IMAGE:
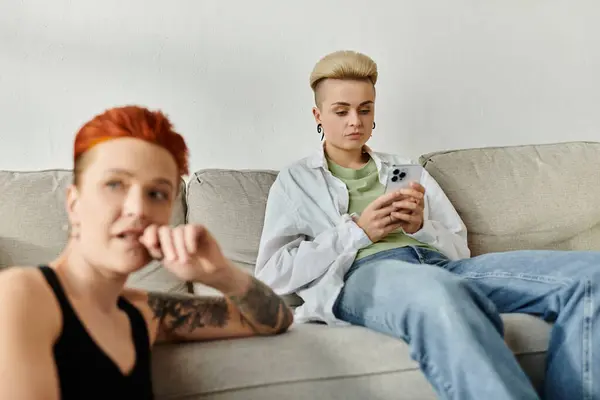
(192, 253)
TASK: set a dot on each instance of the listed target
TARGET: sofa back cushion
(524, 197)
(33, 219)
(34, 224)
(231, 204)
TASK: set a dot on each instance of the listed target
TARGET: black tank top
(84, 370)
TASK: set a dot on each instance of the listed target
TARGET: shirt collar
(318, 159)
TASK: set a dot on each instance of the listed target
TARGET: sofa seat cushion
(524, 197)
(315, 361)
(34, 225)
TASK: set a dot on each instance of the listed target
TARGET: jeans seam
(521, 276)
(588, 307)
(433, 371)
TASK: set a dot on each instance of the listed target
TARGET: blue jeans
(448, 313)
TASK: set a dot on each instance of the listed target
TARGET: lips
(354, 135)
(130, 236)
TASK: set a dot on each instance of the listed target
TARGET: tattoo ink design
(180, 311)
(259, 307)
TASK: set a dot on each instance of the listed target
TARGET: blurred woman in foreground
(70, 329)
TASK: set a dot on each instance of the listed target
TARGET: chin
(353, 145)
(129, 264)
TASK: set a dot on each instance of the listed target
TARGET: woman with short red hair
(70, 329)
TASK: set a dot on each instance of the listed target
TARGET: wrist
(233, 282)
(416, 229)
(362, 238)
(358, 223)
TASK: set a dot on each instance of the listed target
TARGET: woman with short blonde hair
(360, 247)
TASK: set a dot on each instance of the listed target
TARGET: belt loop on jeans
(418, 254)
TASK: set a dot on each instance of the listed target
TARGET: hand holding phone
(406, 179)
(376, 219)
(401, 176)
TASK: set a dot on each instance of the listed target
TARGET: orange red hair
(131, 121)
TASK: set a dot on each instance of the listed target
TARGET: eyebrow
(342, 103)
(125, 172)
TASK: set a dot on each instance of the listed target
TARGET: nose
(355, 119)
(135, 202)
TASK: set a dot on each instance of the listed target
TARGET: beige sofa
(539, 197)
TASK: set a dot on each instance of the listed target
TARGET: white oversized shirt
(309, 241)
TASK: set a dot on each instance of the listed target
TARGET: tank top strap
(139, 326)
(59, 292)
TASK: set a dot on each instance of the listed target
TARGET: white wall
(233, 74)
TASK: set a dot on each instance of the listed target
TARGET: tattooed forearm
(180, 312)
(263, 309)
(258, 310)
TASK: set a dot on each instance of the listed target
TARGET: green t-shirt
(363, 187)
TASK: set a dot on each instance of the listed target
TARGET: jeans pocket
(430, 257)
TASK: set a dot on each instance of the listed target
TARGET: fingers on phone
(404, 217)
(408, 204)
(388, 198)
(413, 193)
(417, 186)
(384, 212)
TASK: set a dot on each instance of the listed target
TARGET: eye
(365, 112)
(341, 113)
(159, 195)
(114, 184)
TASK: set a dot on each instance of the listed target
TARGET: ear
(317, 114)
(72, 202)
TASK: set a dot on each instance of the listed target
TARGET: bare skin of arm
(30, 323)
(249, 308)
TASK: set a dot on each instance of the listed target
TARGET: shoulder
(27, 302)
(300, 167)
(296, 176)
(26, 285)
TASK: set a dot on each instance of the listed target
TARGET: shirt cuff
(425, 234)
(359, 238)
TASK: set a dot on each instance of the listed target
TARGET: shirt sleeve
(442, 226)
(288, 259)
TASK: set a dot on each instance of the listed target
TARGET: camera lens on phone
(396, 171)
(403, 175)
(394, 178)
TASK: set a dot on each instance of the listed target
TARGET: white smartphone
(400, 176)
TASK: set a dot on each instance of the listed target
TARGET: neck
(354, 158)
(86, 282)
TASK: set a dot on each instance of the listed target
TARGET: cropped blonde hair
(343, 64)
